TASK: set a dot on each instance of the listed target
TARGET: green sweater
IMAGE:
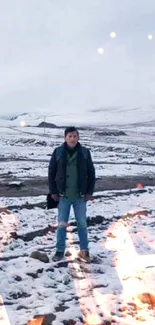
(72, 192)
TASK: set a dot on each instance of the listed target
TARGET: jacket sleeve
(90, 174)
(52, 174)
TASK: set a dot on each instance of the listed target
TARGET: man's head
(71, 136)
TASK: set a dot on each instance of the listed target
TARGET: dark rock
(18, 278)
(50, 269)
(95, 220)
(96, 238)
(32, 275)
(40, 256)
(61, 308)
(48, 320)
(21, 307)
(18, 295)
(7, 303)
(76, 298)
(27, 168)
(69, 322)
(39, 271)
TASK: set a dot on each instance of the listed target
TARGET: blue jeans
(79, 207)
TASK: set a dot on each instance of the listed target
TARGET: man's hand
(88, 197)
(55, 197)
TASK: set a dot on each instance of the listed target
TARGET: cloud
(49, 56)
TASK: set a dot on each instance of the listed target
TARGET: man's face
(72, 139)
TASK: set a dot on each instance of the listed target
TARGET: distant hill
(47, 125)
(103, 116)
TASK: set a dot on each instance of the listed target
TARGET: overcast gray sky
(49, 59)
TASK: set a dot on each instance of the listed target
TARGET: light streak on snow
(130, 268)
(83, 286)
(4, 319)
(8, 225)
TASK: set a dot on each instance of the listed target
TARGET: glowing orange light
(36, 321)
(139, 185)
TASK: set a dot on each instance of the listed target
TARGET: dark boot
(58, 256)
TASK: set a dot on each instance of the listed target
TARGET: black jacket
(57, 171)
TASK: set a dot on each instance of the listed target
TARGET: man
(71, 178)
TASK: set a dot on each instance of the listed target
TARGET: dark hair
(70, 129)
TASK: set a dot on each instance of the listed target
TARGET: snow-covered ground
(34, 288)
(118, 286)
(130, 154)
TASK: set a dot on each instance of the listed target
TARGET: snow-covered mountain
(100, 116)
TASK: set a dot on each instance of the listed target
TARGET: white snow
(122, 246)
(101, 116)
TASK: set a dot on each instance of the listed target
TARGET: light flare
(22, 123)
(150, 37)
(113, 35)
(100, 50)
